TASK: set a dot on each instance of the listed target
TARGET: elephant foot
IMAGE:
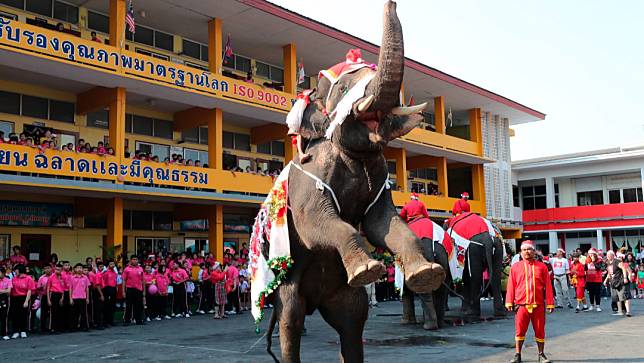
(424, 278)
(366, 274)
(408, 321)
(430, 326)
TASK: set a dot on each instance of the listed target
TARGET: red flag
(228, 51)
(411, 101)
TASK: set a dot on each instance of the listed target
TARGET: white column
(550, 192)
(553, 242)
(600, 240)
(642, 174)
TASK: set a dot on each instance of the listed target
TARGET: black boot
(516, 359)
(543, 358)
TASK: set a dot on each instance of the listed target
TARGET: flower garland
(281, 266)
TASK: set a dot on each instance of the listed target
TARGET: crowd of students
(88, 296)
(593, 275)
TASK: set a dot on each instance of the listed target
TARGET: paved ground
(583, 337)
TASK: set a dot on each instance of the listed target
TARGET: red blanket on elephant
(461, 229)
(425, 228)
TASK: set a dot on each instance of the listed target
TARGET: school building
(583, 200)
(171, 88)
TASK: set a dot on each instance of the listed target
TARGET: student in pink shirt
(79, 298)
(67, 274)
(232, 284)
(17, 258)
(5, 290)
(109, 292)
(134, 292)
(56, 287)
(163, 281)
(179, 277)
(41, 289)
(96, 293)
(22, 286)
(149, 279)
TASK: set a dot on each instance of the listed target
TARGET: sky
(581, 62)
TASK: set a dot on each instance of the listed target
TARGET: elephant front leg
(386, 229)
(330, 230)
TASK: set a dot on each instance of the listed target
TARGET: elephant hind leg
(347, 312)
(291, 311)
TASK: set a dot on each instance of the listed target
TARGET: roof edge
(340, 35)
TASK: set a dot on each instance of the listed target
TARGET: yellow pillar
(439, 114)
(441, 171)
(117, 122)
(214, 46)
(478, 186)
(215, 139)
(476, 132)
(216, 231)
(401, 170)
(115, 227)
(290, 68)
(289, 150)
(117, 23)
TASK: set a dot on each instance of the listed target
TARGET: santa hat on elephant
(352, 63)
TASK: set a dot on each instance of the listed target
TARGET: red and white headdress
(352, 63)
(527, 244)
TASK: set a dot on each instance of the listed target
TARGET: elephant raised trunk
(385, 86)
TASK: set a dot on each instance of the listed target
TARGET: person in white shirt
(561, 270)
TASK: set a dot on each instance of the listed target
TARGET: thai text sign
(90, 167)
(106, 58)
(17, 213)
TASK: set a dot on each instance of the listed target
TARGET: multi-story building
(583, 200)
(73, 68)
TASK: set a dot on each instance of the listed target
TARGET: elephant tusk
(364, 105)
(404, 111)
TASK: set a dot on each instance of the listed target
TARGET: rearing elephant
(485, 250)
(347, 121)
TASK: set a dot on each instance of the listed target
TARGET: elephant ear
(314, 121)
(396, 126)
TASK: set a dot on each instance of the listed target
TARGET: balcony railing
(40, 42)
(447, 142)
(95, 168)
(584, 213)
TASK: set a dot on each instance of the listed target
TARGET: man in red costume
(413, 209)
(530, 294)
(461, 205)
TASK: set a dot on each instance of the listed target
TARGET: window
(142, 125)
(95, 222)
(277, 148)
(6, 127)
(264, 148)
(42, 7)
(162, 151)
(194, 155)
(98, 119)
(65, 12)
(417, 187)
(244, 163)
(632, 195)
(424, 173)
(61, 111)
(614, 196)
(277, 74)
(163, 128)
(162, 221)
(203, 135)
(534, 197)
(142, 220)
(242, 64)
(391, 167)
(98, 22)
(232, 140)
(143, 35)
(10, 102)
(515, 196)
(163, 41)
(590, 198)
(18, 4)
(35, 107)
(191, 135)
(151, 245)
(191, 49)
(5, 246)
(262, 69)
(229, 161)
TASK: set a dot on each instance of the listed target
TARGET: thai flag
(228, 51)
(129, 18)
